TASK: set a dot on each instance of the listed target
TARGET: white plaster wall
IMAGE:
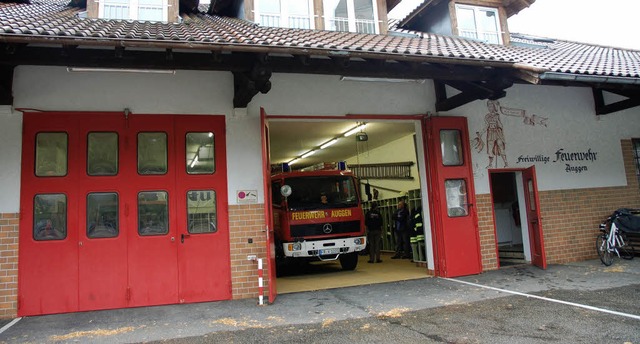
(185, 92)
(10, 158)
(572, 125)
(326, 95)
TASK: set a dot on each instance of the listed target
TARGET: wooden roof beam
(6, 85)
(246, 84)
(633, 100)
(469, 91)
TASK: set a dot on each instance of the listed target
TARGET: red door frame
(536, 239)
(457, 239)
(268, 208)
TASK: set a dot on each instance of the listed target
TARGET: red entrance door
(201, 190)
(538, 256)
(455, 222)
(268, 208)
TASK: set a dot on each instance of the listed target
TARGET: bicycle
(613, 239)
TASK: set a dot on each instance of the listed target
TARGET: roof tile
(55, 19)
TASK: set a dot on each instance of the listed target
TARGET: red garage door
(457, 243)
(122, 211)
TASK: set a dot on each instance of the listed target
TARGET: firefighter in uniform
(417, 235)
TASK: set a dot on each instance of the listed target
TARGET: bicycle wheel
(605, 255)
(626, 252)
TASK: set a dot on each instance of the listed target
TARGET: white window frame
(134, 5)
(351, 13)
(284, 14)
(476, 13)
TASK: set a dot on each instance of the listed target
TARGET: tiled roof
(51, 21)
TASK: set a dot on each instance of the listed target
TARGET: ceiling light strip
(308, 154)
(329, 143)
(355, 130)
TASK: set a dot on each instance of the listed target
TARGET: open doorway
(383, 154)
(510, 218)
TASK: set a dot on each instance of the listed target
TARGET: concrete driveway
(578, 302)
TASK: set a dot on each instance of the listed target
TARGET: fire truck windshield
(316, 192)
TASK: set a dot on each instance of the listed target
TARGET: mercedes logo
(327, 228)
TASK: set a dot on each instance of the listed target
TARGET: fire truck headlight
(358, 241)
(295, 246)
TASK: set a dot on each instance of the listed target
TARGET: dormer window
(481, 23)
(146, 10)
(294, 14)
(351, 15)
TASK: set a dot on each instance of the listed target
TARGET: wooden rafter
(470, 91)
(6, 82)
(633, 100)
(246, 84)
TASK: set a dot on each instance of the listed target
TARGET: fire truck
(318, 217)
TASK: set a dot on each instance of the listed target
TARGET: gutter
(556, 76)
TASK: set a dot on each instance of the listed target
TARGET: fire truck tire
(349, 261)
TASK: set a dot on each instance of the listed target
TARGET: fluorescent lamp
(307, 154)
(355, 130)
(369, 79)
(327, 144)
(293, 161)
(121, 70)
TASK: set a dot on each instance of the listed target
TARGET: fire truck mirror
(285, 190)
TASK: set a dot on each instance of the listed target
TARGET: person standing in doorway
(373, 221)
(417, 235)
(402, 221)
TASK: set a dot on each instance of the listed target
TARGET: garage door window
(200, 153)
(457, 203)
(153, 213)
(451, 145)
(51, 154)
(102, 215)
(201, 209)
(102, 154)
(152, 153)
(50, 217)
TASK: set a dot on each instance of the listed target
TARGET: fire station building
(135, 152)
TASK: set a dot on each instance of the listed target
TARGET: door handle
(182, 236)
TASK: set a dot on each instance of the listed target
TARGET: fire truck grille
(317, 229)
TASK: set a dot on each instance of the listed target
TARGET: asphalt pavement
(582, 302)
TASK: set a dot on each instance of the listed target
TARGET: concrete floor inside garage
(327, 275)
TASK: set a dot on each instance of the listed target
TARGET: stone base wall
(9, 265)
(247, 237)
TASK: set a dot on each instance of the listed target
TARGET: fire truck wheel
(349, 261)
